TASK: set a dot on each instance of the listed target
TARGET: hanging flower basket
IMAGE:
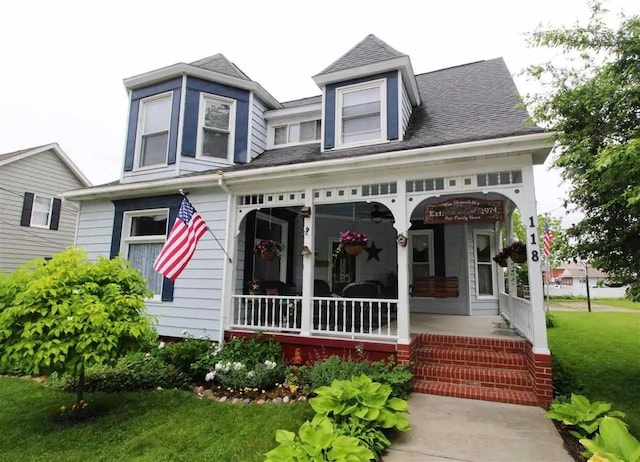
(268, 249)
(517, 252)
(353, 249)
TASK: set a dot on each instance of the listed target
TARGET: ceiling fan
(378, 216)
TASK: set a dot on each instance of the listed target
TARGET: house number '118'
(534, 253)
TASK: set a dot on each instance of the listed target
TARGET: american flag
(547, 239)
(181, 242)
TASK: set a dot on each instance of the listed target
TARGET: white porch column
(308, 262)
(529, 217)
(402, 227)
(229, 268)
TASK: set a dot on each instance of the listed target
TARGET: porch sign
(464, 210)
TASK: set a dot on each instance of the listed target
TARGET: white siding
(197, 292)
(159, 173)
(406, 110)
(258, 128)
(191, 164)
(44, 174)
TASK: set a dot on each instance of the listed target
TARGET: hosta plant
(317, 441)
(582, 416)
(361, 398)
(613, 443)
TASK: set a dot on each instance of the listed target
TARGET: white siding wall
(191, 164)
(406, 109)
(197, 293)
(44, 174)
(258, 128)
(135, 176)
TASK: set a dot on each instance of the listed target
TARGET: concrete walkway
(456, 429)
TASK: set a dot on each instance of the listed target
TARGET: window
(40, 211)
(302, 132)
(485, 283)
(154, 121)
(361, 113)
(422, 254)
(216, 122)
(269, 227)
(144, 234)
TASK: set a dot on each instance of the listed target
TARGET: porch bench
(435, 286)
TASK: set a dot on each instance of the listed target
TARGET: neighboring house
(571, 280)
(35, 222)
(430, 166)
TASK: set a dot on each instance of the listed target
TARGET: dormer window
(361, 113)
(300, 132)
(153, 123)
(215, 139)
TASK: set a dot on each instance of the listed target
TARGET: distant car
(614, 284)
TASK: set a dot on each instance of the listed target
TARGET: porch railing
(518, 312)
(341, 317)
(267, 312)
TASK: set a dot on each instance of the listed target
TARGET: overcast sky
(63, 62)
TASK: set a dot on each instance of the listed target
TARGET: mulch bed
(571, 443)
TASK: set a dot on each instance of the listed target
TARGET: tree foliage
(593, 103)
(68, 313)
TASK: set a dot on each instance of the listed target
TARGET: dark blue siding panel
(330, 117)
(170, 85)
(196, 86)
(392, 105)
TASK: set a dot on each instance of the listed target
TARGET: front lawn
(602, 351)
(614, 302)
(168, 425)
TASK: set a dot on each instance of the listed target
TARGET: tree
(594, 105)
(68, 314)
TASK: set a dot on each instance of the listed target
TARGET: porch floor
(466, 326)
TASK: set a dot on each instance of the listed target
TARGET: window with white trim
(484, 253)
(270, 227)
(299, 132)
(153, 130)
(217, 121)
(41, 211)
(422, 253)
(143, 235)
(361, 113)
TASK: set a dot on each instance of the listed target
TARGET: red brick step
(474, 376)
(471, 357)
(487, 394)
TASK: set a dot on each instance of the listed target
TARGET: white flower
(210, 376)
(161, 346)
(69, 318)
(250, 374)
(238, 366)
(218, 367)
(147, 356)
(269, 364)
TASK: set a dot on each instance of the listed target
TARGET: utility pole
(586, 275)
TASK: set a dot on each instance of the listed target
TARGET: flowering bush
(253, 285)
(353, 238)
(268, 245)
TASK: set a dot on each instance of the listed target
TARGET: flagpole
(182, 193)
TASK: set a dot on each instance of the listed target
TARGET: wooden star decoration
(373, 251)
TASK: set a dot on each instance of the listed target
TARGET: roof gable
(369, 50)
(14, 156)
(220, 64)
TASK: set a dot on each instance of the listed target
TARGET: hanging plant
(351, 242)
(268, 249)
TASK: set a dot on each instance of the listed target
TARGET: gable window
(154, 121)
(484, 252)
(302, 132)
(217, 116)
(143, 235)
(361, 114)
(40, 211)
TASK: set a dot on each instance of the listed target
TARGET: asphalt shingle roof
(9, 155)
(219, 63)
(472, 102)
(368, 51)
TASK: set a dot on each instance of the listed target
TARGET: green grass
(168, 425)
(618, 303)
(602, 351)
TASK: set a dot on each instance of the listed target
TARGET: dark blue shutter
(27, 206)
(55, 214)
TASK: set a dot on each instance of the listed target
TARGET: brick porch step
(472, 357)
(527, 398)
(515, 345)
(474, 376)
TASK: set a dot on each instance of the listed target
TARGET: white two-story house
(428, 166)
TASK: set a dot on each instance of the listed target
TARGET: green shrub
(300, 377)
(398, 377)
(186, 356)
(564, 382)
(549, 320)
(580, 416)
(317, 441)
(238, 376)
(633, 292)
(372, 437)
(613, 443)
(131, 373)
